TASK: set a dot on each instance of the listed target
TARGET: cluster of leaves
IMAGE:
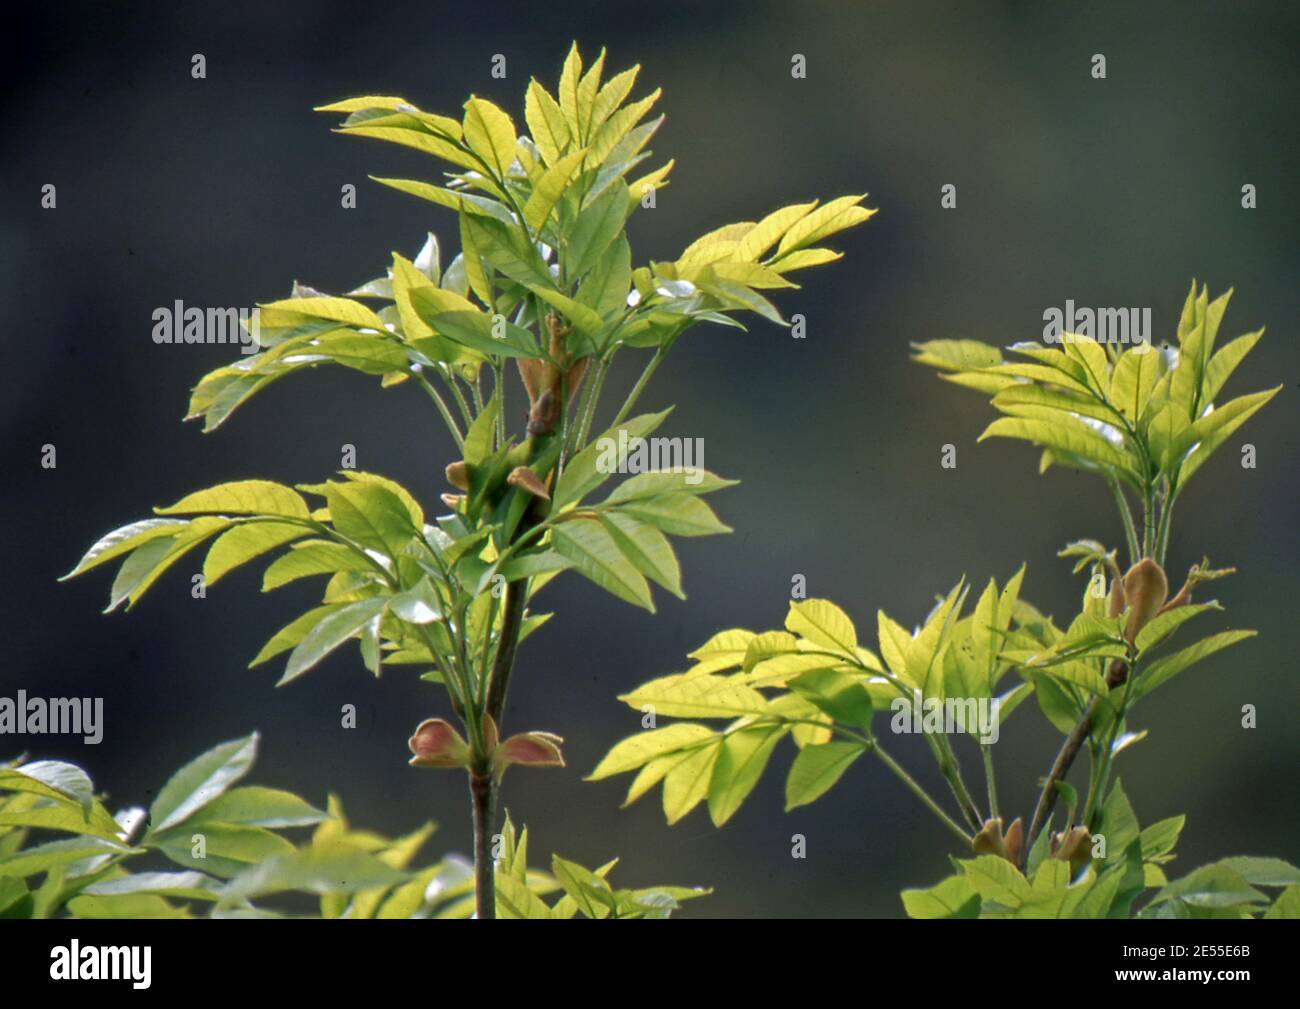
(414, 592)
(541, 225)
(225, 854)
(1113, 884)
(1143, 417)
(545, 277)
(815, 683)
(520, 890)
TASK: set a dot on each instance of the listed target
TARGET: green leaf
(1164, 624)
(643, 747)
(59, 814)
(678, 514)
(1287, 904)
(124, 540)
(149, 562)
(1215, 428)
(242, 497)
(954, 897)
(245, 542)
(596, 555)
(188, 885)
(838, 694)
(1159, 839)
(596, 227)
(291, 634)
(1134, 379)
(330, 868)
(591, 893)
(549, 188)
(516, 900)
(227, 849)
(200, 781)
(647, 548)
(1118, 822)
(687, 784)
(997, 880)
(1217, 885)
(418, 605)
(53, 854)
(594, 464)
(546, 122)
(479, 331)
(312, 557)
(490, 134)
(329, 633)
(739, 766)
(370, 515)
(344, 310)
(255, 806)
(53, 779)
(1067, 436)
(823, 623)
(1263, 871)
(605, 287)
(1224, 363)
(1168, 666)
(685, 696)
(816, 769)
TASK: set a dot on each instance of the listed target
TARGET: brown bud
(538, 376)
(526, 480)
(437, 744)
(458, 475)
(544, 414)
(1145, 589)
(1015, 840)
(453, 501)
(535, 749)
(991, 840)
(1116, 606)
(490, 732)
(573, 378)
(1073, 846)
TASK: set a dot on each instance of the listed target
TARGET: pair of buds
(436, 743)
(1073, 846)
(521, 476)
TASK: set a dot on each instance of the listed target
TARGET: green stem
(587, 408)
(1162, 537)
(990, 780)
(951, 771)
(441, 404)
(449, 380)
(499, 387)
(920, 793)
(637, 389)
(1126, 515)
(1148, 522)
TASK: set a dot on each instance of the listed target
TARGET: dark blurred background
(221, 192)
